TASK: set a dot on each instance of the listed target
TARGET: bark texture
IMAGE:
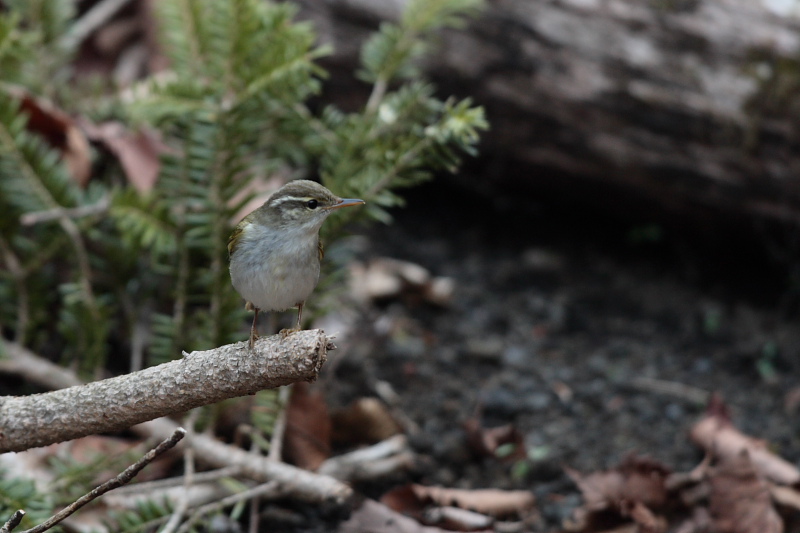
(200, 378)
(687, 106)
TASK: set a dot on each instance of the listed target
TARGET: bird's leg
(286, 332)
(254, 328)
(299, 315)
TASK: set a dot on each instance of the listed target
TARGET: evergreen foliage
(19, 493)
(146, 516)
(149, 274)
(231, 113)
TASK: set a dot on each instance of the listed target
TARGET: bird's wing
(320, 249)
(236, 234)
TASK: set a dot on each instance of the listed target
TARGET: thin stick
(270, 488)
(276, 444)
(161, 484)
(13, 522)
(188, 478)
(93, 19)
(37, 217)
(125, 477)
(672, 388)
(255, 520)
(18, 274)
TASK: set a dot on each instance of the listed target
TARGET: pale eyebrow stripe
(284, 199)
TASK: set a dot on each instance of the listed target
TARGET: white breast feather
(280, 279)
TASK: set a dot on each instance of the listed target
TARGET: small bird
(275, 250)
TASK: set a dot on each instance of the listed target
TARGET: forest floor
(592, 343)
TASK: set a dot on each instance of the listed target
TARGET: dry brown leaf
(308, 428)
(372, 516)
(364, 421)
(717, 435)
(414, 499)
(785, 496)
(405, 500)
(138, 152)
(384, 278)
(60, 131)
(791, 401)
(457, 519)
(636, 479)
(644, 518)
(485, 441)
(459, 509)
(699, 522)
(740, 500)
(494, 502)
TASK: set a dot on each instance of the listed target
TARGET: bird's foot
(287, 331)
(253, 339)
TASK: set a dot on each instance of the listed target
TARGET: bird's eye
(312, 204)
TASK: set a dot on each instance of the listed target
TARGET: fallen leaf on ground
(631, 491)
(740, 500)
(636, 479)
(457, 519)
(644, 518)
(308, 428)
(494, 502)
(699, 522)
(485, 442)
(383, 278)
(364, 421)
(459, 509)
(717, 435)
(791, 401)
(372, 516)
(785, 496)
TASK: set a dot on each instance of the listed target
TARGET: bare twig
(37, 217)
(367, 464)
(296, 482)
(13, 522)
(386, 392)
(93, 19)
(19, 274)
(276, 443)
(376, 96)
(200, 378)
(270, 489)
(672, 388)
(148, 487)
(19, 361)
(188, 478)
(125, 477)
(254, 518)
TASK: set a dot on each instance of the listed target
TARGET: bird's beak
(347, 202)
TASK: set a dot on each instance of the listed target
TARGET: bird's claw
(253, 339)
(287, 331)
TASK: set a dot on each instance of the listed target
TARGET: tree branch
(296, 482)
(13, 522)
(200, 378)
